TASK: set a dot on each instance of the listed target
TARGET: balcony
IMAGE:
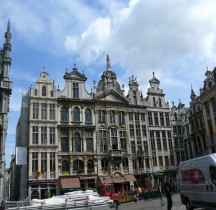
(116, 153)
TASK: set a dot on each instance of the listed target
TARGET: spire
(193, 95)
(8, 34)
(108, 67)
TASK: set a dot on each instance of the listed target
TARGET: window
(152, 140)
(156, 118)
(125, 162)
(112, 117)
(160, 161)
(101, 116)
(213, 101)
(43, 111)
(138, 133)
(154, 159)
(123, 140)
(65, 166)
(43, 161)
(167, 119)
(161, 119)
(212, 170)
(77, 142)
(89, 141)
(147, 163)
(90, 165)
(34, 161)
(75, 90)
(142, 117)
(144, 130)
(164, 140)
(35, 135)
(104, 163)
(114, 139)
(172, 160)
(154, 102)
(150, 118)
(130, 116)
(44, 91)
(136, 116)
(78, 165)
(170, 140)
(35, 110)
(158, 140)
(35, 92)
(134, 164)
(133, 147)
(52, 111)
(103, 143)
(121, 117)
(52, 162)
(146, 152)
(76, 116)
(88, 116)
(160, 104)
(64, 114)
(134, 97)
(43, 135)
(166, 160)
(64, 140)
(52, 135)
(131, 130)
(52, 93)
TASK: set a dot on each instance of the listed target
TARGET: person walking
(168, 195)
(160, 191)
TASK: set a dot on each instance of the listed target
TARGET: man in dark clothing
(167, 189)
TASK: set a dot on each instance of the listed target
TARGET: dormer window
(134, 97)
(154, 101)
(44, 91)
(75, 90)
(160, 105)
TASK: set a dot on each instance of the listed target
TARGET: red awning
(70, 182)
(129, 178)
(105, 179)
(118, 179)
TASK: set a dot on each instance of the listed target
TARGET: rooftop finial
(8, 26)
(44, 68)
(207, 68)
(153, 74)
(108, 67)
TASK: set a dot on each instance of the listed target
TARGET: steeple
(108, 64)
(193, 95)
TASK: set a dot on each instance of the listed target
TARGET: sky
(176, 39)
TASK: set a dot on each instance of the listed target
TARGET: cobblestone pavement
(154, 204)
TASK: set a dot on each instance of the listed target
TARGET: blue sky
(175, 39)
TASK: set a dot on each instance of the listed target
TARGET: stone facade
(5, 92)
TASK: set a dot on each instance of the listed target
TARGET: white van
(197, 179)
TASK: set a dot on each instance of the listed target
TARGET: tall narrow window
(104, 163)
(43, 135)
(43, 161)
(78, 166)
(143, 130)
(207, 109)
(35, 110)
(125, 162)
(156, 118)
(34, 161)
(134, 97)
(44, 111)
(75, 90)
(35, 92)
(64, 114)
(90, 165)
(133, 147)
(167, 119)
(114, 139)
(164, 140)
(101, 116)
(136, 116)
(152, 140)
(52, 135)
(142, 117)
(64, 140)
(44, 91)
(158, 140)
(131, 126)
(160, 104)
(88, 116)
(123, 140)
(103, 142)
(154, 101)
(52, 162)
(138, 133)
(76, 116)
(112, 117)
(77, 142)
(35, 135)
(161, 119)
(150, 118)
(52, 111)
(146, 152)
(130, 116)
(65, 166)
(52, 93)
(170, 140)
(89, 141)
(121, 118)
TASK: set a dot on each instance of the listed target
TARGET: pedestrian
(139, 192)
(160, 191)
(168, 195)
(135, 194)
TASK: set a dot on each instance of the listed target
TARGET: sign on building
(21, 155)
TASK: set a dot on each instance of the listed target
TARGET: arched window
(160, 105)
(44, 91)
(154, 101)
(35, 92)
(104, 163)
(90, 165)
(76, 116)
(65, 166)
(88, 115)
(77, 143)
(78, 166)
(64, 114)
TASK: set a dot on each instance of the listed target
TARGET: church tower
(5, 92)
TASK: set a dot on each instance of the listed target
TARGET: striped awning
(105, 179)
(129, 178)
(118, 179)
(70, 183)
